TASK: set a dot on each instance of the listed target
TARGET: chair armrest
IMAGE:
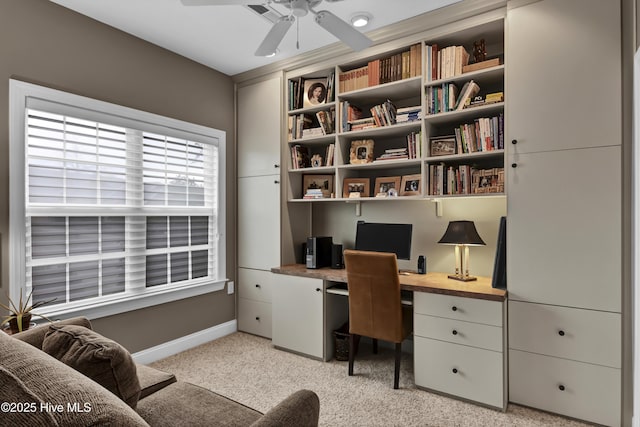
(36, 335)
(301, 409)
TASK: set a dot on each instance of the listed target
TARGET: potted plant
(19, 318)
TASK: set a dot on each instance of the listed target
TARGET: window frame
(24, 95)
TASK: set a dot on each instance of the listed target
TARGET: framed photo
(315, 92)
(384, 185)
(444, 146)
(355, 186)
(361, 151)
(324, 183)
(411, 185)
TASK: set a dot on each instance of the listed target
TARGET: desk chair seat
(375, 308)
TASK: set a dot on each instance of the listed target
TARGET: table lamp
(462, 234)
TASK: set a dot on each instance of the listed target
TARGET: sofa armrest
(36, 335)
(300, 409)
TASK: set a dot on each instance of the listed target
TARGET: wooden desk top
(437, 283)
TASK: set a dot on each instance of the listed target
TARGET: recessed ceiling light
(360, 19)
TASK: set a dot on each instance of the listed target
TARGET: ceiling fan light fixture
(360, 19)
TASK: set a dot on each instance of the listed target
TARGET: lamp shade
(461, 233)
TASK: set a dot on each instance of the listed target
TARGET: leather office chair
(375, 308)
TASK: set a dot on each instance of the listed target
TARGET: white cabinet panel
(577, 334)
(297, 318)
(467, 372)
(564, 228)
(259, 128)
(255, 284)
(455, 331)
(254, 317)
(259, 222)
(580, 390)
(460, 308)
(558, 51)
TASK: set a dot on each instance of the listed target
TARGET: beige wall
(43, 43)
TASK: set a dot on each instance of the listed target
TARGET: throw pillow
(98, 358)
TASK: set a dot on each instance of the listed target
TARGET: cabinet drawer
(591, 392)
(459, 332)
(459, 370)
(459, 308)
(255, 284)
(571, 333)
(254, 317)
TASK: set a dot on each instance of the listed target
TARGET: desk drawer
(459, 332)
(459, 370)
(254, 317)
(459, 308)
(571, 333)
(591, 392)
(255, 284)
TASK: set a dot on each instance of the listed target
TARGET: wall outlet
(230, 288)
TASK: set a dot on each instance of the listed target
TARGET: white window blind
(115, 207)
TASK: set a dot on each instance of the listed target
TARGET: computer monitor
(383, 237)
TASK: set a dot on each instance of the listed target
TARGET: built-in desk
(459, 327)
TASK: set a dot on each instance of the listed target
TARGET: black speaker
(422, 265)
(336, 256)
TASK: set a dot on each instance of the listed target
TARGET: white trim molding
(185, 343)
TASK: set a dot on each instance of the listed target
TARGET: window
(111, 209)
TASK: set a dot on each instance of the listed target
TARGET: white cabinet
(459, 347)
(564, 210)
(258, 201)
(298, 314)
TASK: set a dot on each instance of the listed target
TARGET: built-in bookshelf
(427, 116)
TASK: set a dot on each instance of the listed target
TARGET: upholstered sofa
(65, 374)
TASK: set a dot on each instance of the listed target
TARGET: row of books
(408, 114)
(483, 134)
(384, 114)
(446, 62)
(307, 125)
(411, 151)
(447, 97)
(464, 179)
(402, 65)
(300, 158)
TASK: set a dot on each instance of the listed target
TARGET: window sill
(130, 302)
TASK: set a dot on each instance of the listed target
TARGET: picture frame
(361, 151)
(443, 146)
(383, 185)
(411, 185)
(315, 182)
(315, 92)
(358, 186)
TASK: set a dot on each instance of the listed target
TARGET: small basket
(341, 339)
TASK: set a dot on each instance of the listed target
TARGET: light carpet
(250, 370)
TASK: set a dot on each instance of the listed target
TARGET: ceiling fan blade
(219, 2)
(275, 36)
(343, 31)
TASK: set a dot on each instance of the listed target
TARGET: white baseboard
(176, 346)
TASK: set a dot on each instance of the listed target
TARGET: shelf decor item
(318, 186)
(462, 234)
(384, 185)
(411, 185)
(19, 318)
(361, 151)
(355, 187)
(443, 146)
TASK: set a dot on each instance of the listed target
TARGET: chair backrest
(375, 308)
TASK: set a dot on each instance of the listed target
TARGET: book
(468, 91)
(494, 62)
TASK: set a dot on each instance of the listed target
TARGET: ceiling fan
(299, 8)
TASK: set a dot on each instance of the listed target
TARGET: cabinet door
(259, 124)
(259, 222)
(563, 80)
(564, 228)
(297, 319)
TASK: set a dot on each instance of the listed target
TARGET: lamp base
(462, 278)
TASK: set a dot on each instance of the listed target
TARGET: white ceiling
(226, 37)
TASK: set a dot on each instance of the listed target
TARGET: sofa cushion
(35, 336)
(152, 380)
(201, 407)
(100, 359)
(69, 398)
